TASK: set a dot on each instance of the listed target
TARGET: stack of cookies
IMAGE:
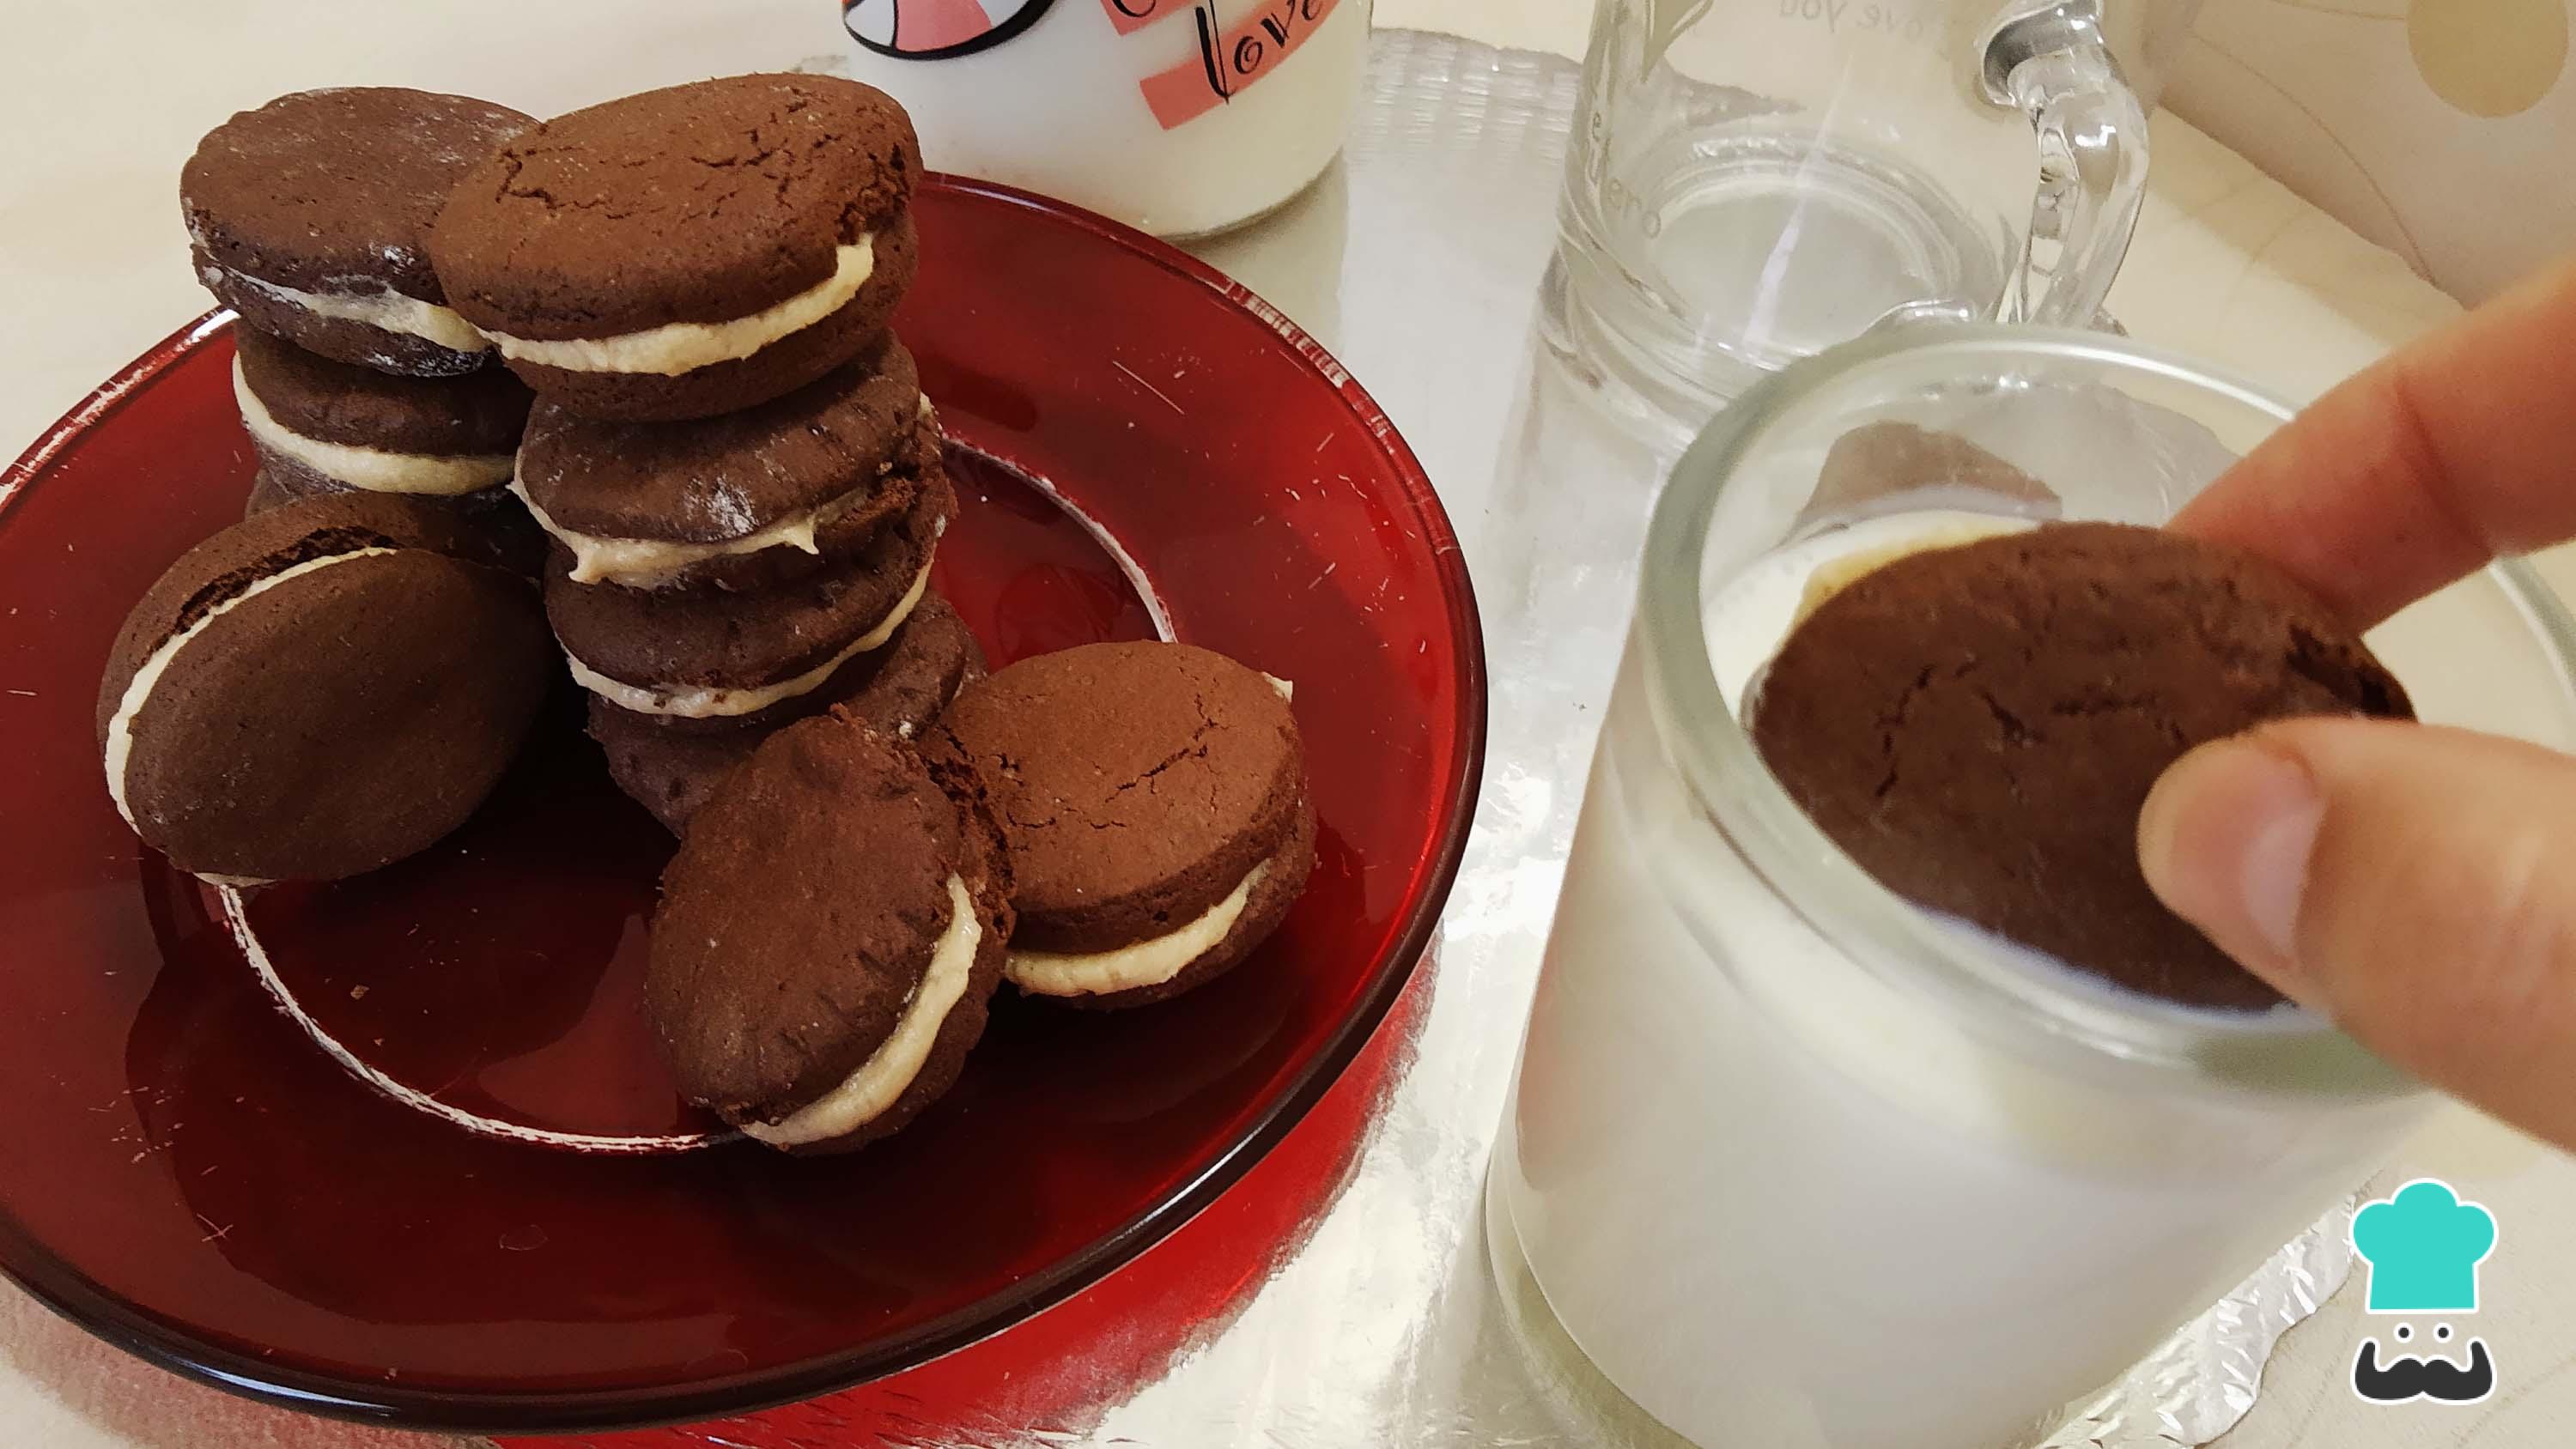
(1108, 826)
(646, 348)
(310, 217)
(729, 448)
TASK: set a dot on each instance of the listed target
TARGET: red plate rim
(126, 1324)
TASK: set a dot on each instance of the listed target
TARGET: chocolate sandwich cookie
(1154, 800)
(897, 690)
(689, 251)
(744, 501)
(707, 658)
(324, 427)
(320, 690)
(1979, 725)
(329, 427)
(310, 216)
(829, 935)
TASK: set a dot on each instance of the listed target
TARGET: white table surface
(103, 102)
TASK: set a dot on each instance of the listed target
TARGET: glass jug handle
(2048, 59)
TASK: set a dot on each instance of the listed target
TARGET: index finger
(2456, 449)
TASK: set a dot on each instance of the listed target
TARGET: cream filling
(1146, 963)
(650, 563)
(646, 563)
(865, 1094)
(383, 308)
(373, 469)
(677, 347)
(120, 726)
(707, 702)
(1837, 574)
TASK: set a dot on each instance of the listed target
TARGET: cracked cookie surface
(695, 203)
(1137, 785)
(1977, 726)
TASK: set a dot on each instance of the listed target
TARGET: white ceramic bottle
(1182, 117)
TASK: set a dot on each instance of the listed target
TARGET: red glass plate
(185, 1171)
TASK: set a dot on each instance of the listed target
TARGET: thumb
(2416, 885)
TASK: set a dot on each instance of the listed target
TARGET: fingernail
(2224, 839)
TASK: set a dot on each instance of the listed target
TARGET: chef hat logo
(2424, 1245)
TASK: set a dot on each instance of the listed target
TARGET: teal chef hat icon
(2424, 1246)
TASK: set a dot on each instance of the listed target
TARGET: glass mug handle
(2048, 58)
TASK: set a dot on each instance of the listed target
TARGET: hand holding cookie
(1977, 724)
(2416, 885)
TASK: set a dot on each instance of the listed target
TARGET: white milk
(1781, 1202)
(1178, 116)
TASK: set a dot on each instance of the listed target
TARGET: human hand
(2416, 885)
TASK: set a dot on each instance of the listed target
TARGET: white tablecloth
(2227, 265)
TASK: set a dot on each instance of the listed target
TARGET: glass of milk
(1795, 1164)
(1181, 117)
